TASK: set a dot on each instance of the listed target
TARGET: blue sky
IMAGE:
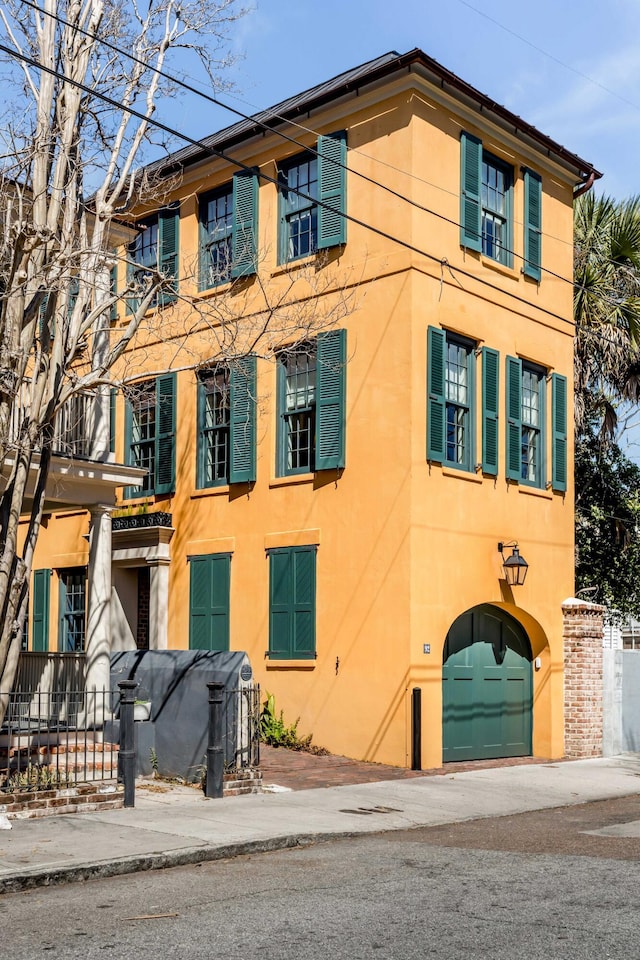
(289, 46)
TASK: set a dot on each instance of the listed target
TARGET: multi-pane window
(144, 250)
(72, 610)
(531, 468)
(216, 248)
(297, 389)
(155, 250)
(143, 431)
(495, 197)
(311, 432)
(450, 399)
(150, 427)
(458, 399)
(485, 202)
(214, 417)
(299, 214)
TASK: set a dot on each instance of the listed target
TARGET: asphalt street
(560, 883)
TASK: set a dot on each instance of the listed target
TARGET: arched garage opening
(487, 687)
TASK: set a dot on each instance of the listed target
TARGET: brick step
(248, 774)
(239, 788)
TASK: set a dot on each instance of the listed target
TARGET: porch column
(100, 426)
(98, 639)
(159, 604)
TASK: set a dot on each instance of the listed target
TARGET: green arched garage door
(486, 687)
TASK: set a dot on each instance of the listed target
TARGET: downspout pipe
(586, 186)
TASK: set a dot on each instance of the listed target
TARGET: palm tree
(606, 310)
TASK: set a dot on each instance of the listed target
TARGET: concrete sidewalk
(180, 826)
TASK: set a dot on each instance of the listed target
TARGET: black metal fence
(63, 738)
(51, 740)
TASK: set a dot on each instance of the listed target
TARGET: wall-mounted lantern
(515, 566)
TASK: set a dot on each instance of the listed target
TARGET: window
(216, 224)
(229, 230)
(311, 401)
(485, 196)
(292, 603)
(209, 579)
(313, 199)
(297, 370)
(214, 403)
(299, 213)
(459, 397)
(150, 423)
(155, 248)
(227, 424)
(531, 468)
(496, 199)
(450, 390)
(71, 638)
(526, 425)
(525, 422)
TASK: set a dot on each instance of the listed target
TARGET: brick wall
(583, 630)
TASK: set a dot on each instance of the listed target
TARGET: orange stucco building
(357, 386)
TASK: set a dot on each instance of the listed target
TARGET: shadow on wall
(175, 681)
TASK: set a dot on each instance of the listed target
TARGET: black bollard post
(416, 729)
(215, 755)
(127, 754)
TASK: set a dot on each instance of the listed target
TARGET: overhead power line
(301, 146)
(267, 178)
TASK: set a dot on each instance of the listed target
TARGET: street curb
(43, 877)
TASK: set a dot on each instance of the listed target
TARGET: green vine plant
(275, 732)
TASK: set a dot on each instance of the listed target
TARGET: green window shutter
(280, 607)
(332, 186)
(292, 608)
(436, 352)
(201, 452)
(165, 433)
(42, 318)
(74, 290)
(245, 223)
(168, 228)
(514, 418)
(131, 303)
(203, 252)
(559, 416)
(40, 617)
(128, 436)
(112, 420)
(113, 290)
(470, 188)
(209, 583)
(242, 438)
(281, 431)
(490, 386)
(331, 400)
(532, 224)
(303, 578)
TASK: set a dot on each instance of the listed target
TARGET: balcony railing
(72, 426)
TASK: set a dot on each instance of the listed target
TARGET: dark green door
(209, 602)
(486, 687)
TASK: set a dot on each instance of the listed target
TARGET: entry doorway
(487, 687)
